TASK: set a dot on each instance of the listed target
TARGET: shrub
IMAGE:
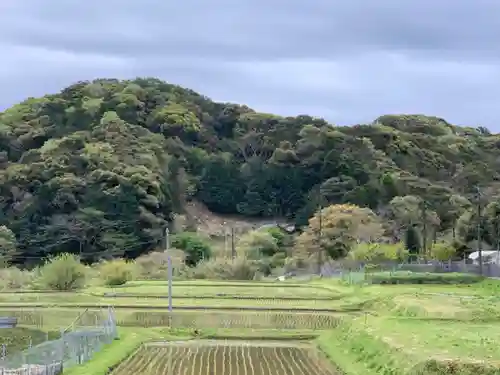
(194, 247)
(406, 277)
(256, 244)
(278, 235)
(14, 278)
(453, 366)
(63, 272)
(239, 268)
(116, 272)
(377, 252)
(442, 251)
(154, 266)
(293, 264)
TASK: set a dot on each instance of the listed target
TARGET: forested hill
(103, 165)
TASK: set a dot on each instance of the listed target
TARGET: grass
(55, 318)
(127, 302)
(183, 289)
(387, 345)
(382, 329)
(439, 340)
(19, 338)
(420, 329)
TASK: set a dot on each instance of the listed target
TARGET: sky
(347, 61)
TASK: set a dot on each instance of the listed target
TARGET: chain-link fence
(354, 272)
(76, 345)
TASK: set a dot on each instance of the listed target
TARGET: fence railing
(76, 345)
(337, 269)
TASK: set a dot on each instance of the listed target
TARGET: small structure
(489, 257)
(8, 322)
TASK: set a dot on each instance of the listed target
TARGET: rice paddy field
(236, 357)
(316, 327)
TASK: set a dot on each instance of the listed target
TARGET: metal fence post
(62, 347)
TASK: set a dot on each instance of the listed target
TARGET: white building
(489, 257)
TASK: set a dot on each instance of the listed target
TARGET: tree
(338, 189)
(459, 205)
(412, 214)
(102, 167)
(8, 246)
(194, 247)
(176, 120)
(489, 225)
(258, 244)
(406, 210)
(413, 241)
(442, 251)
(377, 252)
(335, 229)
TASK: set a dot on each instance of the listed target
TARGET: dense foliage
(336, 229)
(99, 168)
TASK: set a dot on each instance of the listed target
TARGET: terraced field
(226, 358)
(367, 330)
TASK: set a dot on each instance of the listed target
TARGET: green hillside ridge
(102, 166)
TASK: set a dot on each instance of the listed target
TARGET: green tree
(335, 229)
(194, 247)
(62, 273)
(413, 241)
(103, 166)
(258, 244)
(8, 246)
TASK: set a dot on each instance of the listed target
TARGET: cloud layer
(347, 61)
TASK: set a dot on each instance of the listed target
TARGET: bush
(14, 278)
(405, 277)
(116, 272)
(442, 251)
(278, 235)
(154, 266)
(63, 272)
(294, 264)
(272, 265)
(194, 247)
(453, 366)
(239, 268)
(378, 252)
(258, 244)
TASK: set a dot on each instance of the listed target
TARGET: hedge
(408, 277)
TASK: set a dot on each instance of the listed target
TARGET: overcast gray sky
(347, 61)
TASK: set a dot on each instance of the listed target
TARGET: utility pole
(169, 260)
(479, 239)
(320, 236)
(424, 220)
(497, 236)
(225, 239)
(167, 239)
(233, 248)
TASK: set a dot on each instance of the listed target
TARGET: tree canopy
(100, 168)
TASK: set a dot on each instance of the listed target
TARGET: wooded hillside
(101, 167)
